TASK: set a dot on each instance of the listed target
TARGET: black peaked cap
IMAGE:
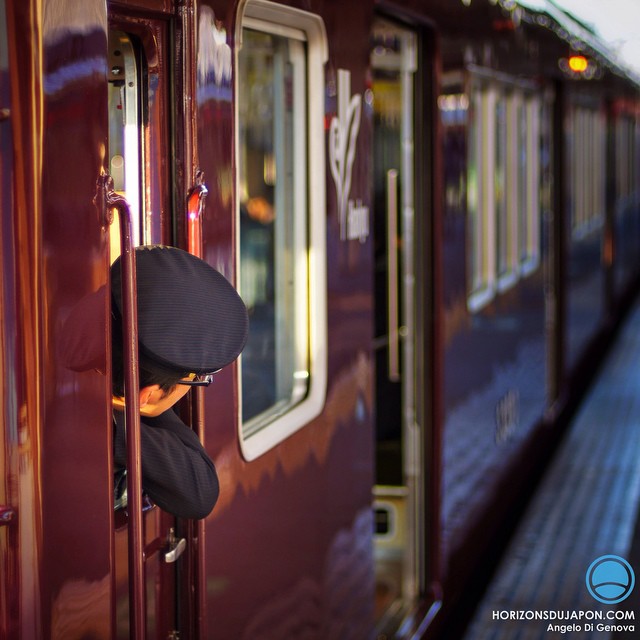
(190, 318)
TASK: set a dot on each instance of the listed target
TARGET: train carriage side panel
(76, 412)
(61, 438)
(299, 105)
(289, 545)
(518, 132)
(494, 252)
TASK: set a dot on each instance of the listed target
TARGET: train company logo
(610, 579)
(343, 133)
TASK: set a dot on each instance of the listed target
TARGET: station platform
(585, 507)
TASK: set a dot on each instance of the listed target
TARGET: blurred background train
(430, 209)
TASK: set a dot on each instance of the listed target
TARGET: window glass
(629, 160)
(587, 172)
(273, 231)
(598, 155)
(281, 226)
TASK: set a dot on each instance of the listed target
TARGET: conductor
(191, 323)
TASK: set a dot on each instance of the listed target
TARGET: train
(431, 211)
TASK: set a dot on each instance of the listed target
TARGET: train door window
(124, 152)
(598, 153)
(138, 160)
(529, 169)
(280, 186)
(577, 178)
(626, 224)
(579, 147)
(626, 161)
(587, 179)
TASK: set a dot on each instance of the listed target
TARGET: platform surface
(586, 507)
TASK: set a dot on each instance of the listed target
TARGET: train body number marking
(357, 221)
(343, 133)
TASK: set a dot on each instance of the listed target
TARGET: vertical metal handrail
(195, 206)
(109, 200)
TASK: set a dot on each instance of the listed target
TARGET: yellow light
(578, 64)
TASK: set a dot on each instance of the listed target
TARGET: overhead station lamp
(579, 67)
(578, 64)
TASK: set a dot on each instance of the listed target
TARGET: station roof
(554, 33)
(571, 29)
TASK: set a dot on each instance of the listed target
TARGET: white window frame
(483, 277)
(299, 25)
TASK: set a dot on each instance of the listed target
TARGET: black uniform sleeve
(177, 473)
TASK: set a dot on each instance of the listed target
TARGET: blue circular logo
(610, 579)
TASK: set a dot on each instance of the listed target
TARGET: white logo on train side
(353, 216)
(214, 54)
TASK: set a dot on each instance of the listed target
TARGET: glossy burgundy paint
(288, 550)
(60, 430)
(289, 544)
(71, 262)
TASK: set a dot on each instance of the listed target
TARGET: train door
(139, 163)
(398, 461)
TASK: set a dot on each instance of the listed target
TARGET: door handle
(393, 318)
(176, 547)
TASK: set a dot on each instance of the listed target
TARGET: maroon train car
(434, 224)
